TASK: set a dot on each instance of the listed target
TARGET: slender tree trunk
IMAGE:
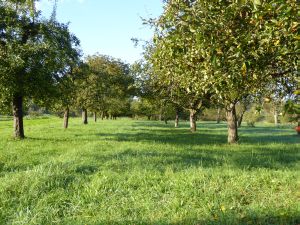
(193, 125)
(18, 116)
(218, 115)
(275, 116)
(95, 117)
(66, 118)
(232, 124)
(84, 116)
(102, 115)
(177, 118)
(240, 119)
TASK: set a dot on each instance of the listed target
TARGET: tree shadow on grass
(179, 160)
(182, 149)
(207, 149)
(202, 137)
(220, 219)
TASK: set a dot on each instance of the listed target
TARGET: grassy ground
(140, 172)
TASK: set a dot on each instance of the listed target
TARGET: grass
(143, 172)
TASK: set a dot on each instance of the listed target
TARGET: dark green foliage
(105, 86)
(34, 56)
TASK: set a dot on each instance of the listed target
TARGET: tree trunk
(232, 124)
(177, 118)
(160, 117)
(193, 121)
(166, 121)
(84, 116)
(275, 117)
(219, 115)
(102, 115)
(18, 116)
(240, 119)
(95, 117)
(66, 118)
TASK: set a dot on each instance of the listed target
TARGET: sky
(106, 26)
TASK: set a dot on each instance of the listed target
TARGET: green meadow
(145, 172)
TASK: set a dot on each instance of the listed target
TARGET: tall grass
(143, 172)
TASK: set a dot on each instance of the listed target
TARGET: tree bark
(193, 125)
(177, 118)
(84, 116)
(232, 124)
(66, 118)
(18, 116)
(219, 115)
(240, 119)
(95, 117)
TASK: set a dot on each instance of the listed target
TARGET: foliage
(253, 116)
(211, 114)
(292, 109)
(33, 53)
(224, 51)
(105, 85)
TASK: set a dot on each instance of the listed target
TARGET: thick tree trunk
(84, 116)
(232, 124)
(240, 119)
(95, 117)
(177, 118)
(66, 118)
(18, 116)
(193, 125)
(219, 115)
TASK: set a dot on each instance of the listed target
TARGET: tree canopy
(35, 54)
